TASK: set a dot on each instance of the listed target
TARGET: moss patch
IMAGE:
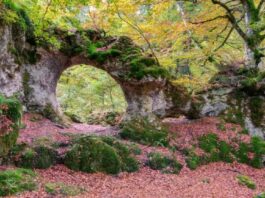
(16, 181)
(256, 106)
(158, 161)
(59, 188)
(10, 115)
(144, 132)
(217, 150)
(246, 181)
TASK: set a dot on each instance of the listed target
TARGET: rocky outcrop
(237, 96)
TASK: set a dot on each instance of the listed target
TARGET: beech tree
(247, 18)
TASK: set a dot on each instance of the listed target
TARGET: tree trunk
(251, 45)
(250, 59)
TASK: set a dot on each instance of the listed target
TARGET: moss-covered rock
(37, 157)
(95, 154)
(143, 131)
(158, 161)
(10, 119)
(16, 181)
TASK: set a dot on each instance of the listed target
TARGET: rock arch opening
(88, 94)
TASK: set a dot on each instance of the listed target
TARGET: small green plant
(244, 131)
(261, 195)
(246, 181)
(192, 160)
(16, 181)
(135, 149)
(144, 132)
(221, 126)
(157, 161)
(60, 188)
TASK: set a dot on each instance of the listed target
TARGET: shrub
(246, 181)
(100, 154)
(157, 161)
(144, 132)
(15, 181)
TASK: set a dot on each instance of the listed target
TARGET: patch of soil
(37, 126)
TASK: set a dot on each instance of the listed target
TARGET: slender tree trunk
(251, 59)
(183, 66)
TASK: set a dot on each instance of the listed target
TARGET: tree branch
(210, 20)
(139, 30)
(226, 39)
(260, 5)
(232, 19)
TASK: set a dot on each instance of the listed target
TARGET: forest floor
(215, 180)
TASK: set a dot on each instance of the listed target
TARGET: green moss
(251, 79)
(217, 150)
(157, 161)
(13, 112)
(26, 88)
(143, 66)
(16, 181)
(50, 113)
(38, 157)
(143, 131)
(99, 55)
(95, 154)
(15, 14)
(258, 148)
(59, 188)
(261, 195)
(208, 142)
(246, 181)
(135, 149)
(128, 163)
(193, 161)
(256, 105)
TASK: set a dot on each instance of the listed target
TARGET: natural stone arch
(35, 75)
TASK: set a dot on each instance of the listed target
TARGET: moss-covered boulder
(40, 154)
(10, 120)
(94, 154)
(144, 131)
(37, 157)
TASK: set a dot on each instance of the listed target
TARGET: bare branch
(232, 19)
(210, 20)
(226, 39)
